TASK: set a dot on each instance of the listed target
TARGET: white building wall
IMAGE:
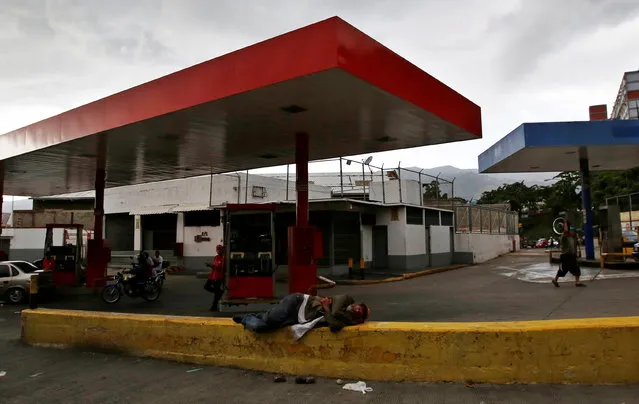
(28, 244)
(204, 248)
(396, 230)
(415, 239)
(411, 193)
(135, 197)
(485, 247)
(440, 239)
(367, 243)
(225, 188)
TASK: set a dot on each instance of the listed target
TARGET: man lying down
(305, 312)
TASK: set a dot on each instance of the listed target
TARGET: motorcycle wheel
(151, 292)
(111, 294)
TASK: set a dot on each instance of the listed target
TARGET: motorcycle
(148, 289)
(159, 278)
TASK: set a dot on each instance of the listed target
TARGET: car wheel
(16, 295)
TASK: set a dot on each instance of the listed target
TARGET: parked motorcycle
(125, 283)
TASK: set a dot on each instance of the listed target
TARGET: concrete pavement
(493, 291)
(56, 376)
(513, 287)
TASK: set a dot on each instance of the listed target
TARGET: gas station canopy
(241, 111)
(559, 146)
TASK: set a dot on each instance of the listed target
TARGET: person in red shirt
(48, 263)
(216, 278)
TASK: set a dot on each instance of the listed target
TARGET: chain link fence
(484, 219)
(359, 179)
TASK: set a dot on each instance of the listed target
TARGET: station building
(390, 228)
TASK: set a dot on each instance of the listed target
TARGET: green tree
(432, 190)
(518, 195)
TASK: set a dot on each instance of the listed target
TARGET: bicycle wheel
(558, 226)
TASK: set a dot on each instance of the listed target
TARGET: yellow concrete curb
(591, 351)
(404, 277)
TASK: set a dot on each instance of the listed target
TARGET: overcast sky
(520, 60)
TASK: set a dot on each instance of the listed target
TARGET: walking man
(216, 278)
(568, 258)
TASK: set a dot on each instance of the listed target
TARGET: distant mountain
(470, 184)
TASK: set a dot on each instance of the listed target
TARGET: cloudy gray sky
(520, 60)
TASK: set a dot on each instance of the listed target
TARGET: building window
(259, 192)
(447, 218)
(368, 219)
(432, 217)
(202, 218)
(414, 215)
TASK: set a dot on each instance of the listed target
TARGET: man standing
(568, 258)
(216, 278)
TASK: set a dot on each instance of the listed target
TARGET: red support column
(301, 180)
(97, 254)
(302, 267)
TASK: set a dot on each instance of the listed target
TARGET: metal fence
(359, 179)
(629, 209)
(482, 219)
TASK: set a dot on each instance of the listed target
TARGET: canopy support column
(302, 266)
(98, 255)
(587, 208)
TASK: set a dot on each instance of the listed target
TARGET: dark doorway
(159, 231)
(380, 247)
(119, 229)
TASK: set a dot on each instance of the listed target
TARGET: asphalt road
(515, 287)
(486, 292)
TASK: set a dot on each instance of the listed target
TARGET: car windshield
(25, 267)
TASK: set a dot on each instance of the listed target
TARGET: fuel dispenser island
(249, 237)
(69, 255)
(250, 240)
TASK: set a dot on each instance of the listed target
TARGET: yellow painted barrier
(593, 351)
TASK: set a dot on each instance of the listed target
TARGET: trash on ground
(279, 379)
(193, 370)
(339, 381)
(359, 386)
(304, 380)
(3, 373)
(37, 374)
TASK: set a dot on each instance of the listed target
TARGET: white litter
(3, 373)
(359, 386)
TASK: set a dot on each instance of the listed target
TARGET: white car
(15, 279)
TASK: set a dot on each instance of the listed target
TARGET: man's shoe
(554, 282)
(238, 318)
